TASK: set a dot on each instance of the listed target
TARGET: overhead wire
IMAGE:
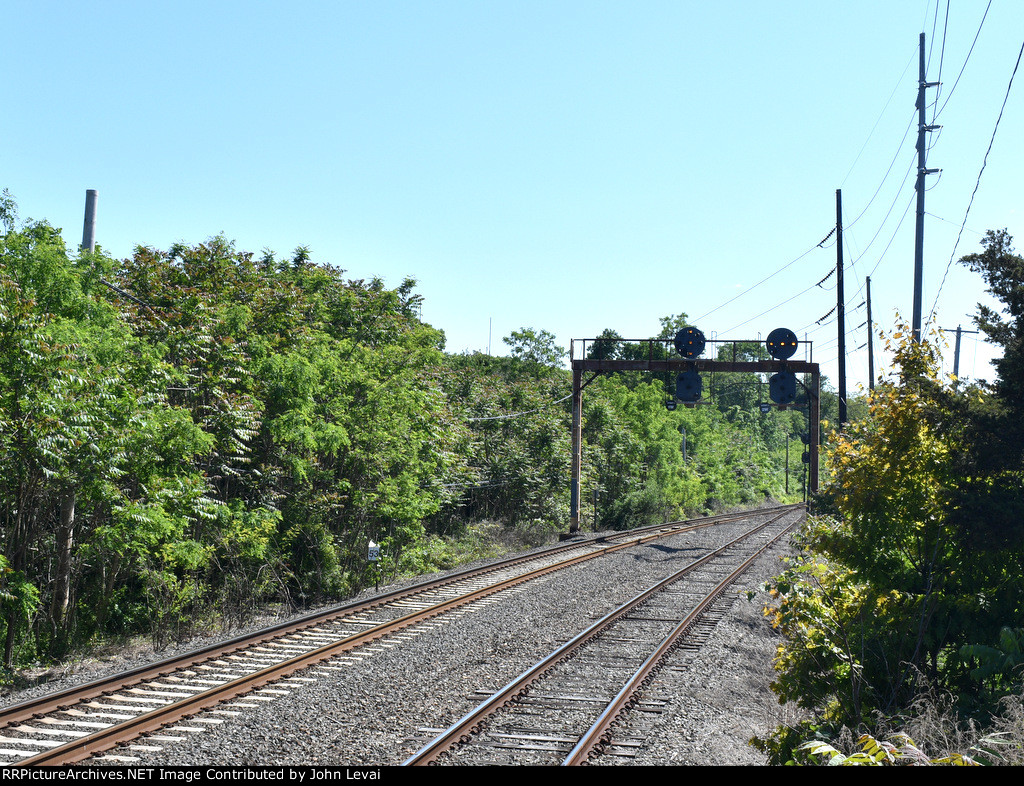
(762, 281)
(770, 310)
(899, 149)
(855, 259)
(964, 66)
(519, 414)
(832, 231)
(879, 119)
(881, 226)
(947, 221)
(813, 286)
(819, 324)
(942, 52)
(813, 327)
(977, 183)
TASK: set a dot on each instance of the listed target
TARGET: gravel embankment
(379, 711)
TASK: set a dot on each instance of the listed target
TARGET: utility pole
(870, 340)
(922, 128)
(841, 307)
(89, 227)
(956, 353)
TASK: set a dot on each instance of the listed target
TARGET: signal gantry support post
(577, 449)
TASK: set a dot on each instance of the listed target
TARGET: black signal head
(689, 342)
(781, 343)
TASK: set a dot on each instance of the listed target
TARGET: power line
(977, 184)
(881, 226)
(880, 114)
(942, 54)
(763, 280)
(860, 287)
(813, 286)
(964, 66)
(768, 311)
(885, 177)
(947, 221)
(519, 414)
(855, 260)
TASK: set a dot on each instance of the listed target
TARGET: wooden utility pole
(871, 342)
(787, 462)
(956, 355)
(840, 307)
(956, 352)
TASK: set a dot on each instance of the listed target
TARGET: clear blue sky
(567, 166)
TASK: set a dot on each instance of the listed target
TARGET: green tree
(79, 399)
(607, 346)
(533, 346)
(989, 503)
(1003, 272)
(889, 588)
(671, 325)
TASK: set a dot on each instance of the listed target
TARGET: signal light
(689, 387)
(782, 387)
(689, 342)
(781, 343)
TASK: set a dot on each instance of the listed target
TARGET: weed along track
(139, 715)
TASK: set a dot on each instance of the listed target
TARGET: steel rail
(154, 719)
(463, 729)
(32, 708)
(595, 736)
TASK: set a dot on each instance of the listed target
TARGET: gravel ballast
(381, 709)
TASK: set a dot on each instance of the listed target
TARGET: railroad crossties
(377, 683)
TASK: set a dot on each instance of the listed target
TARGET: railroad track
(564, 709)
(224, 679)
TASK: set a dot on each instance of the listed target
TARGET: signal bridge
(690, 343)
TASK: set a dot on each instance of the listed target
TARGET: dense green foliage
(186, 435)
(910, 580)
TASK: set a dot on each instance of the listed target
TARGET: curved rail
(597, 735)
(463, 730)
(48, 703)
(395, 602)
